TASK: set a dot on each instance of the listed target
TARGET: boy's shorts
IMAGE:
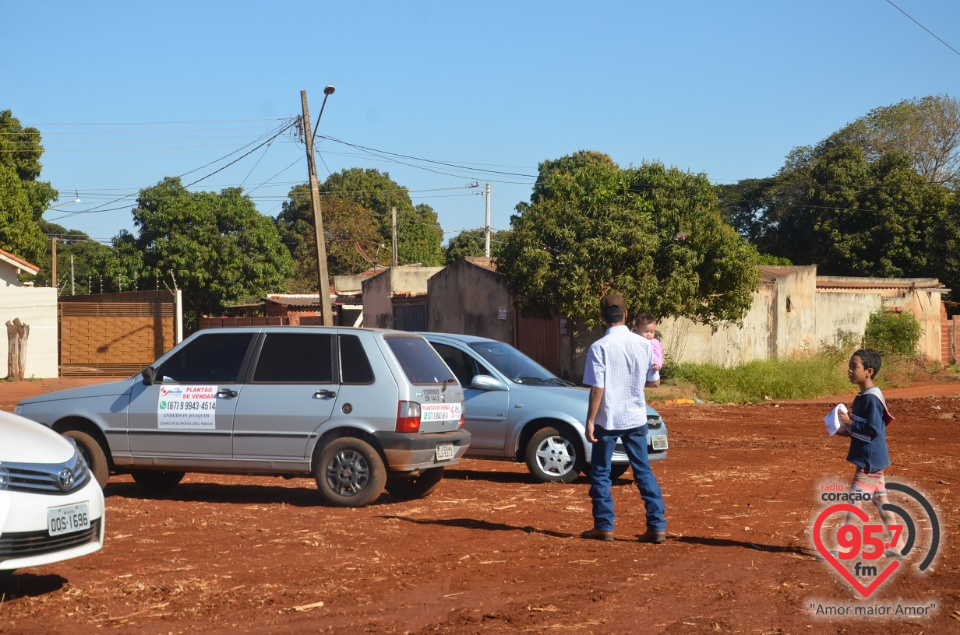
(869, 483)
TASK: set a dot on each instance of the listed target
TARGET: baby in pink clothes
(645, 325)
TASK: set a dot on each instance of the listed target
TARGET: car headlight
(18, 409)
(4, 478)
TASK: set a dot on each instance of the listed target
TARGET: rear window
(419, 361)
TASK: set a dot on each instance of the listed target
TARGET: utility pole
(53, 263)
(323, 281)
(393, 224)
(73, 290)
(486, 229)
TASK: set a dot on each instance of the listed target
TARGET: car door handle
(226, 392)
(325, 394)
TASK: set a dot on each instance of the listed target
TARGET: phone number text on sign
(440, 412)
(190, 407)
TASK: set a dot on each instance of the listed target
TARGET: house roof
(17, 263)
(483, 262)
(849, 282)
(770, 273)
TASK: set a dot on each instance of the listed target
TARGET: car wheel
(93, 454)
(156, 479)
(416, 487)
(553, 456)
(618, 469)
(350, 473)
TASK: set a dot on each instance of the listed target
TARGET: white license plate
(659, 442)
(445, 452)
(68, 519)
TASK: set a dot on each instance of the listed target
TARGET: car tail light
(408, 416)
(462, 416)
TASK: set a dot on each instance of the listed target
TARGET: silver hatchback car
(518, 410)
(358, 409)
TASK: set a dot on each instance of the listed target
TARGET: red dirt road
(493, 552)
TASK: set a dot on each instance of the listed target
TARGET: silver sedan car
(516, 409)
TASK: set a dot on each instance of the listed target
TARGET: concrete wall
(377, 307)
(36, 307)
(379, 290)
(844, 315)
(472, 300)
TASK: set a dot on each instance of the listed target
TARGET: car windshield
(515, 365)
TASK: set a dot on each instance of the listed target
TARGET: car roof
(467, 339)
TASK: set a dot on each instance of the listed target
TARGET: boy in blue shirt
(866, 425)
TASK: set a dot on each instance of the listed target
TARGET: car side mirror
(149, 375)
(487, 382)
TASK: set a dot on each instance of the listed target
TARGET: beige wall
(379, 290)
(36, 307)
(844, 314)
(467, 299)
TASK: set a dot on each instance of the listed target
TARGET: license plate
(659, 442)
(445, 452)
(68, 519)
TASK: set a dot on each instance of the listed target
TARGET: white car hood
(25, 441)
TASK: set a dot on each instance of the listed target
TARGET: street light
(323, 280)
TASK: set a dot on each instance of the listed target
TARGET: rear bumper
(409, 452)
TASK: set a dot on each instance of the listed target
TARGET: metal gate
(540, 339)
(115, 334)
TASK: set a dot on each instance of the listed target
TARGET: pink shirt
(657, 352)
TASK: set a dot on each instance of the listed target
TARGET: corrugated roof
(850, 282)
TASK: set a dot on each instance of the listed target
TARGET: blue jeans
(635, 445)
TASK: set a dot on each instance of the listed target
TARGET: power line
(923, 27)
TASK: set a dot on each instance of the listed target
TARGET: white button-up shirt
(621, 363)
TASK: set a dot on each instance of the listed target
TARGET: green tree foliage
(873, 199)
(217, 247)
(419, 235)
(892, 332)
(472, 242)
(355, 205)
(352, 239)
(23, 198)
(76, 251)
(651, 233)
(927, 130)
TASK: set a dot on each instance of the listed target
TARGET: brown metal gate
(115, 334)
(540, 339)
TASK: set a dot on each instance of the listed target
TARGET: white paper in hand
(833, 419)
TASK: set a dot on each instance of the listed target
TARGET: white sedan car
(51, 507)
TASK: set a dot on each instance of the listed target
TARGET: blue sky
(126, 93)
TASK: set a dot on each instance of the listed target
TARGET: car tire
(156, 479)
(350, 473)
(93, 454)
(553, 456)
(419, 486)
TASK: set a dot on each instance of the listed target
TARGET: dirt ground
(491, 551)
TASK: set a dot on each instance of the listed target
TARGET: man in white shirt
(619, 367)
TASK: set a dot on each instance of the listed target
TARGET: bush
(893, 333)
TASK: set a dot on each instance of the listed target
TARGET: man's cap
(612, 307)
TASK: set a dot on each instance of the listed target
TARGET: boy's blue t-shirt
(868, 433)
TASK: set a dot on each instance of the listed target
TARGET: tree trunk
(17, 334)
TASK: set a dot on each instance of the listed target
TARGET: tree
(927, 130)
(472, 242)
(219, 249)
(653, 234)
(419, 235)
(23, 198)
(76, 252)
(352, 239)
